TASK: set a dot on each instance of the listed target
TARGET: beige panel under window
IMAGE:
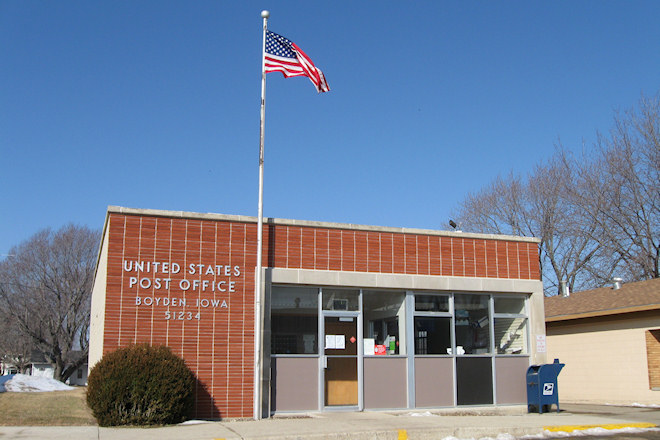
(653, 357)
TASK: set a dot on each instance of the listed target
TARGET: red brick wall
(387, 252)
(218, 346)
(216, 339)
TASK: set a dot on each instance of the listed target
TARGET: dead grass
(53, 408)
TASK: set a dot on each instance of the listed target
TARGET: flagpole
(260, 223)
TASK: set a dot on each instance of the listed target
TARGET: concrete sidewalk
(412, 425)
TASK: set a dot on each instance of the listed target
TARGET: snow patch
(589, 432)
(420, 414)
(644, 405)
(633, 405)
(4, 379)
(22, 383)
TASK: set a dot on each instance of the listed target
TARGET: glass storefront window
(384, 322)
(509, 305)
(431, 303)
(510, 335)
(341, 300)
(510, 325)
(472, 324)
(432, 335)
(294, 320)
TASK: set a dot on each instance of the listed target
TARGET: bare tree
(537, 206)
(15, 347)
(620, 192)
(596, 215)
(46, 288)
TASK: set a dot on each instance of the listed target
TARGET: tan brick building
(354, 317)
(609, 340)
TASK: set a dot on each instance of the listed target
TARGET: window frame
(402, 329)
(524, 315)
(273, 335)
(431, 314)
(489, 309)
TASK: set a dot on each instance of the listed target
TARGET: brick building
(353, 317)
(609, 339)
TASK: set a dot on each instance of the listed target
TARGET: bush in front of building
(140, 385)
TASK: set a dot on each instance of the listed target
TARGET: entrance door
(341, 361)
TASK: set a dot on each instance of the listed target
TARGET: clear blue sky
(155, 104)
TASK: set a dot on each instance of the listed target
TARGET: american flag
(285, 56)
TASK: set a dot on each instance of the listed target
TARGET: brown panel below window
(385, 381)
(510, 377)
(294, 384)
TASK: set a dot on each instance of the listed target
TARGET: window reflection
(432, 335)
(294, 320)
(384, 323)
(472, 324)
(431, 303)
(511, 335)
(509, 305)
(341, 299)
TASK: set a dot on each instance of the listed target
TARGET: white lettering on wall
(153, 277)
(217, 270)
(151, 266)
(144, 282)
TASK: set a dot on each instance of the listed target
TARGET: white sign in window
(369, 346)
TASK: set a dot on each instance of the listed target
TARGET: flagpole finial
(265, 14)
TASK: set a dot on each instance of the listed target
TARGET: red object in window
(380, 350)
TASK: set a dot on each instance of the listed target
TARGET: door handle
(325, 361)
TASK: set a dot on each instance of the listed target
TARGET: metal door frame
(323, 357)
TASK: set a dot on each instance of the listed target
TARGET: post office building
(348, 317)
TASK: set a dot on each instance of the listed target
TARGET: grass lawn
(53, 408)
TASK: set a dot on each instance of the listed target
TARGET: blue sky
(155, 104)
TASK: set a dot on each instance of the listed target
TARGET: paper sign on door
(337, 342)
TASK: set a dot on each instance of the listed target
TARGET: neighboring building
(7, 368)
(353, 317)
(609, 339)
(40, 367)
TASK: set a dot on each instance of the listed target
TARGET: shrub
(140, 385)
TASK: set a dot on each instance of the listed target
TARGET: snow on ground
(644, 405)
(634, 405)
(22, 383)
(421, 414)
(589, 432)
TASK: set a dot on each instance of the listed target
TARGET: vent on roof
(564, 290)
(617, 283)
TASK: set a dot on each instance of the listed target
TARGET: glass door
(341, 360)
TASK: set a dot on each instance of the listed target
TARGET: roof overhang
(600, 313)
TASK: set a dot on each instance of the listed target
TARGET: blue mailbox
(542, 386)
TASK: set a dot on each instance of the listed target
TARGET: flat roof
(309, 223)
